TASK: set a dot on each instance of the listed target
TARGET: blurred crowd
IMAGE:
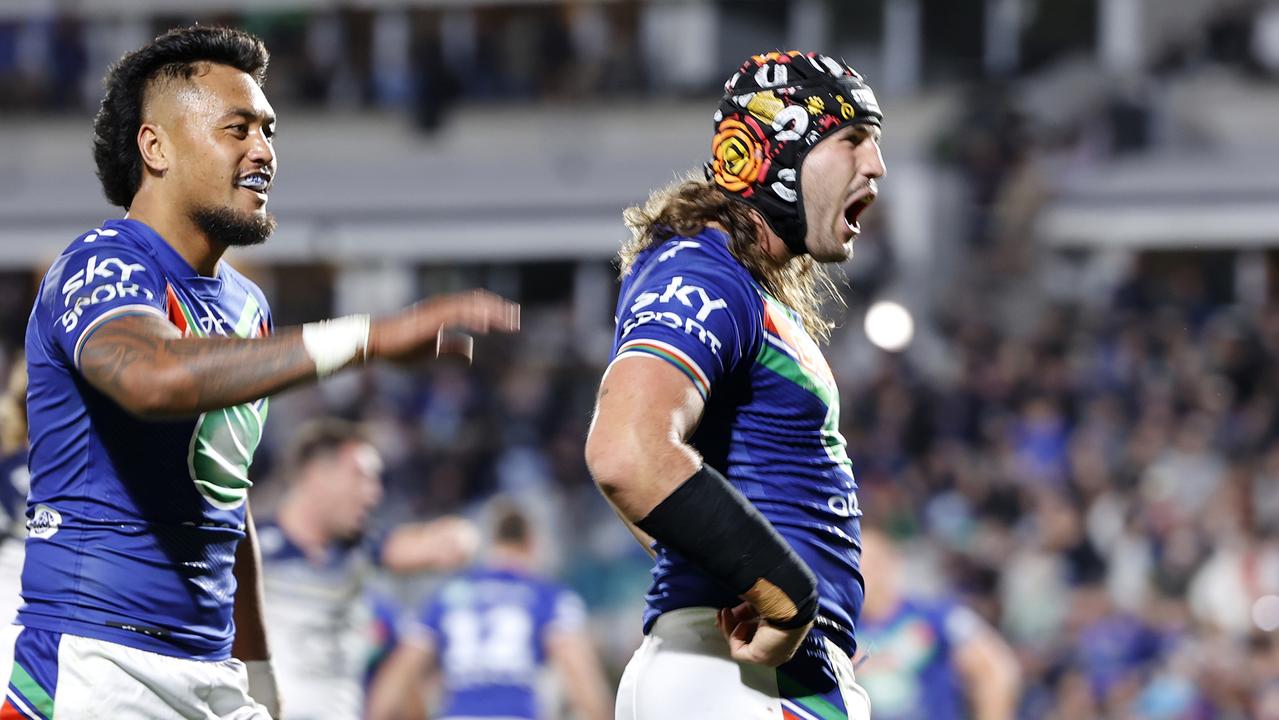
(422, 60)
(1104, 491)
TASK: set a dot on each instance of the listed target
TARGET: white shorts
(683, 670)
(79, 678)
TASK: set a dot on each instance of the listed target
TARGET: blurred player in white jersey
(487, 636)
(317, 558)
(14, 480)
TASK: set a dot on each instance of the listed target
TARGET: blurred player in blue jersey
(317, 559)
(716, 430)
(149, 364)
(928, 659)
(487, 636)
(14, 480)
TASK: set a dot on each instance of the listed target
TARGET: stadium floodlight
(889, 326)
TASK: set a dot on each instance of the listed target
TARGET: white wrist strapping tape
(334, 343)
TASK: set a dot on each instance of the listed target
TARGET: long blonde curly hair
(684, 208)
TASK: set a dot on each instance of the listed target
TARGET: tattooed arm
(144, 364)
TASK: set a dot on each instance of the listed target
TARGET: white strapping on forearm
(332, 344)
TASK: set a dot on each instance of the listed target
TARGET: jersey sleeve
(93, 284)
(424, 628)
(960, 624)
(568, 612)
(688, 307)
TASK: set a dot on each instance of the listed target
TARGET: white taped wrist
(332, 344)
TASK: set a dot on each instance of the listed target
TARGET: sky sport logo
(88, 282)
(95, 270)
(674, 317)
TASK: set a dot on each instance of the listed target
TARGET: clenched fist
(439, 325)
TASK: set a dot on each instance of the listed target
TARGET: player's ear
(153, 145)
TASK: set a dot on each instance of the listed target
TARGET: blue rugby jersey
(909, 670)
(771, 422)
(134, 524)
(489, 627)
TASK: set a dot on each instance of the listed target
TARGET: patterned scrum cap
(775, 109)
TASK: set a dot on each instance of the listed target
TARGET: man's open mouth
(259, 182)
(855, 209)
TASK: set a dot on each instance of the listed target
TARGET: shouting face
(838, 180)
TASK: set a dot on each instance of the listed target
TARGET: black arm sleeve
(709, 522)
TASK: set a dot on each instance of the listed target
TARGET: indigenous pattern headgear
(774, 110)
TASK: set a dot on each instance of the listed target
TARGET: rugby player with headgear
(716, 430)
(150, 360)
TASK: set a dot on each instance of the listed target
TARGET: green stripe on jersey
(31, 690)
(244, 326)
(786, 366)
(193, 327)
(807, 699)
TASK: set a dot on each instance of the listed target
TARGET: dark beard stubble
(232, 228)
